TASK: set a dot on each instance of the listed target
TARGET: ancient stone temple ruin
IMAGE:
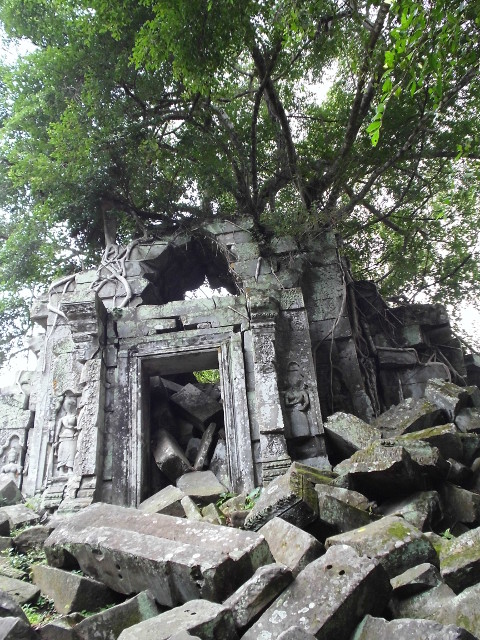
(114, 412)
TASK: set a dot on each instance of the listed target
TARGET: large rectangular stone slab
(177, 559)
(328, 598)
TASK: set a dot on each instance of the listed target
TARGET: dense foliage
(302, 114)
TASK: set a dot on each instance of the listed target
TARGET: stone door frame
(145, 360)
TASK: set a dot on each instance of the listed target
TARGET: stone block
(407, 416)
(108, 624)
(10, 607)
(4, 524)
(201, 486)
(290, 496)
(69, 591)
(393, 541)
(9, 493)
(450, 397)
(20, 591)
(255, 595)
(177, 560)
(421, 509)
(460, 560)
(19, 516)
(348, 434)
(196, 406)
(295, 633)
(61, 628)
(341, 509)
(423, 605)
(167, 501)
(328, 598)
(192, 512)
(380, 629)
(211, 513)
(468, 420)
(381, 471)
(209, 620)
(16, 629)
(32, 538)
(446, 438)
(290, 545)
(415, 580)
(169, 456)
(460, 505)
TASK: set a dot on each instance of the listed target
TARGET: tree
(158, 114)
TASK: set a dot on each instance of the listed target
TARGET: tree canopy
(355, 115)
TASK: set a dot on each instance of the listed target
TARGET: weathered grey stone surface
(255, 595)
(22, 592)
(290, 496)
(69, 591)
(32, 538)
(61, 628)
(201, 486)
(108, 624)
(290, 545)
(423, 605)
(195, 405)
(460, 505)
(16, 629)
(4, 524)
(349, 433)
(191, 510)
(409, 415)
(415, 580)
(209, 620)
(446, 438)
(169, 456)
(19, 515)
(393, 541)
(176, 559)
(407, 629)
(167, 501)
(10, 608)
(468, 420)
(460, 560)
(212, 514)
(9, 492)
(295, 633)
(450, 397)
(422, 509)
(340, 508)
(347, 587)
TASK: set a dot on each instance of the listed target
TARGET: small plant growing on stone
(40, 612)
(223, 498)
(252, 498)
(447, 535)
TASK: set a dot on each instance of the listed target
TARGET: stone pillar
(273, 446)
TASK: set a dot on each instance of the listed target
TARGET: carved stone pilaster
(86, 316)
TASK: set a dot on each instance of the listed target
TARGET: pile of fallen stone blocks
(387, 544)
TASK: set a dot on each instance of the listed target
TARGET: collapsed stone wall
(294, 341)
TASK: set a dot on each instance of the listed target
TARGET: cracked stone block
(290, 545)
(415, 580)
(69, 591)
(450, 397)
(16, 629)
(209, 620)
(460, 505)
(408, 416)
(393, 541)
(340, 508)
(196, 406)
(460, 560)
(432, 465)
(405, 629)
(290, 496)
(108, 624)
(167, 501)
(176, 559)
(20, 591)
(328, 598)
(255, 595)
(169, 456)
(348, 434)
(201, 486)
(421, 509)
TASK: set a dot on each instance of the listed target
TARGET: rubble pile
(386, 544)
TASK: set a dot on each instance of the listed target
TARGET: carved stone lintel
(271, 469)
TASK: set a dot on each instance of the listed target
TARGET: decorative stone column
(264, 311)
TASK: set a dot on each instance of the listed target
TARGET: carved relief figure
(11, 469)
(297, 402)
(66, 443)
